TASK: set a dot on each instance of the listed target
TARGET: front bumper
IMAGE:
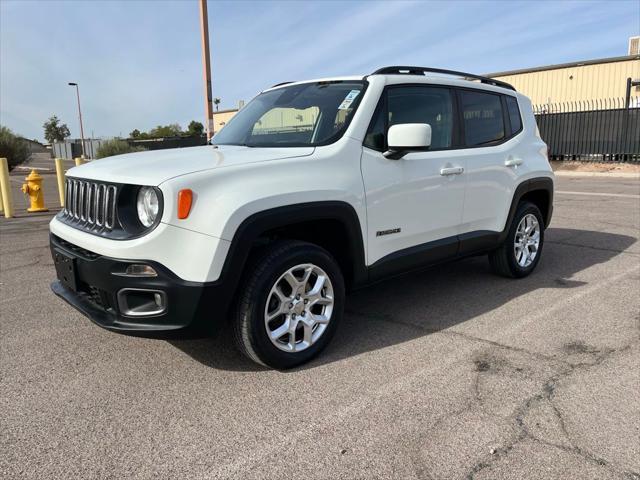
(190, 306)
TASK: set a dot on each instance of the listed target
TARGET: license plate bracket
(66, 269)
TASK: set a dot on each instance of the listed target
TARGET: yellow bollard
(79, 161)
(33, 188)
(60, 178)
(5, 188)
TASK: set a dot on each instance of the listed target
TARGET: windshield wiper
(233, 144)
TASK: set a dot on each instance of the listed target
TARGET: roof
(423, 71)
(226, 110)
(597, 61)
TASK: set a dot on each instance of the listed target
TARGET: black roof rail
(280, 84)
(402, 70)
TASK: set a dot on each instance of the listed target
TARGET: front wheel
(520, 252)
(289, 305)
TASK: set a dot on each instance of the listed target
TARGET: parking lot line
(596, 194)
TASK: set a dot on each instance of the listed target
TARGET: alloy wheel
(527, 240)
(299, 308)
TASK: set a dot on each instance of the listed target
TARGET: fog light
(138, 270)
(159, 300)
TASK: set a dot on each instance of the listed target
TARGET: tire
(304, 314)
(506, 260)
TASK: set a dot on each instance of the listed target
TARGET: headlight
(148, 206)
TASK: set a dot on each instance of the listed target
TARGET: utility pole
(79, 115)
(206, 65)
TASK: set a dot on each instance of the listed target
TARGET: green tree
(161, 131)
(116, 147)
(54, 131)
(216, 102)
(135, 134)
(195, 129)
(12, 147)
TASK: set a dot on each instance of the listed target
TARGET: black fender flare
(251, 229)
(534, 184)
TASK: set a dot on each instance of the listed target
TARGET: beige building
(590, 80)
(221, 117)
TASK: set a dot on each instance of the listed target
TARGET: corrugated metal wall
(586, 82)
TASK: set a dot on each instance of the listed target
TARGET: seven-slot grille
(90, 205)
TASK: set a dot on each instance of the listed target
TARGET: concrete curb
(570, 173)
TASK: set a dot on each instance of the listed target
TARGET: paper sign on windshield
(348, 100)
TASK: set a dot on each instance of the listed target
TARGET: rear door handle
(451, 171)
(513, 162)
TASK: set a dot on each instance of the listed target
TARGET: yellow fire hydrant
(33, 188)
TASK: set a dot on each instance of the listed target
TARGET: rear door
(491, 161)
(416, 200)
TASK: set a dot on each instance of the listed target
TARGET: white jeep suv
(312, 189)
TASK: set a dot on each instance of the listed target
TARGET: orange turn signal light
(185, 197)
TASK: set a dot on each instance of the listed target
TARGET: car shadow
(417, 304)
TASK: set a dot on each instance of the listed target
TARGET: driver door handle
(451, 171)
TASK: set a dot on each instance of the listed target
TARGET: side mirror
(407, 137)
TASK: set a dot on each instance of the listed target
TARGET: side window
(482, 115)
(514, 114)
(430, 105)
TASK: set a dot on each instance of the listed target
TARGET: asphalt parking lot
(449, 373)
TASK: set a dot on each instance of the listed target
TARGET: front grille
(90, 205)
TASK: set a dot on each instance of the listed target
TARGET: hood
(156, 166)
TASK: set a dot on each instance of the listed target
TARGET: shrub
(116, 147)
(13, 148)
(164, 131)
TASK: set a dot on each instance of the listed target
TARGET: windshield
(307, 114)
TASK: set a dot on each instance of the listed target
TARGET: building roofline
(564, 65)
(226, 110)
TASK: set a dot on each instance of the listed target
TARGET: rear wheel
(520, 252)
(289, 304)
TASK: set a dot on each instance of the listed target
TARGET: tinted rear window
(514, 114)
(483, 119)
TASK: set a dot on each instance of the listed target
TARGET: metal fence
(599, 130)
(68, 149)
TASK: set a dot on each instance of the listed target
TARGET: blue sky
(138, 63)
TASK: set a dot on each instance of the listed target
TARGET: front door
(414, 204)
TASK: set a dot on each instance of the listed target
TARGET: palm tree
(216, 102)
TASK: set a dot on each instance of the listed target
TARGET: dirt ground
(595, 167)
